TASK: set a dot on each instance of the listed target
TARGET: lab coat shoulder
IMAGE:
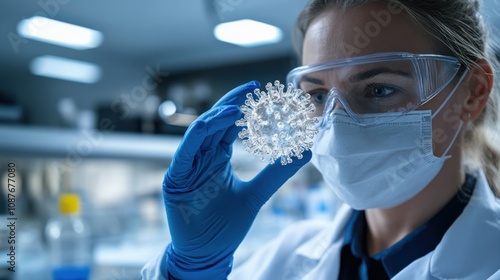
(470, 249)
(288, 256)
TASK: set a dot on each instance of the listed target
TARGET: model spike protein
(277, 123)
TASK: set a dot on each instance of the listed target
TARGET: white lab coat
(470, 249)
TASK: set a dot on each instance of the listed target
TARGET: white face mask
(378, 166)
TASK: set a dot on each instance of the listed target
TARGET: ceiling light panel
(59, 33)
(248, 33)
(65, 69)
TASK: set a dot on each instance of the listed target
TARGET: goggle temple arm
(451, 93)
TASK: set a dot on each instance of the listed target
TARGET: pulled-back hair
(457, 26)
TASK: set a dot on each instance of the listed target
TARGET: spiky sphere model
(278, 123)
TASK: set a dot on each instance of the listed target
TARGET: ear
(480, 86)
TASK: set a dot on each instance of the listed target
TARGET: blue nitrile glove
(209, 209)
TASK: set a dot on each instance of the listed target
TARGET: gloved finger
(232, 132)
(237, 96)
(200, 132)
(221, 126)
(273, 176)
(228, 139)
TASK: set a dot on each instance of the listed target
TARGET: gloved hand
(209, 209)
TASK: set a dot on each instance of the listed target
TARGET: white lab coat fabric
(470, 249)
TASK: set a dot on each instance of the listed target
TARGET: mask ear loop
(460, 126)
(451, 94)
(470, 124)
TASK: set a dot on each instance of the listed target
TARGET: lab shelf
(33, 141)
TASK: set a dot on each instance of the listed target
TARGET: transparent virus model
(278, 123)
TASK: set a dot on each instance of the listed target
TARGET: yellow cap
(69, 203)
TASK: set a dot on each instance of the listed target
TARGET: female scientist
(404, 91)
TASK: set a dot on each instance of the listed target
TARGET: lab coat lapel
(329, 265)
(319, 258)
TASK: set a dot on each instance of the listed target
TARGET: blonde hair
(458, 27)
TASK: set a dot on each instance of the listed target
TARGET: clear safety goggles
(366, 86)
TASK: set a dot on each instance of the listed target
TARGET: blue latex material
(209, 209)
(71, 273)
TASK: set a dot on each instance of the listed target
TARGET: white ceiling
(176, 34)
(165, 31)
(173, 35)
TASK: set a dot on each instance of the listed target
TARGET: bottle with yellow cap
(69, 241)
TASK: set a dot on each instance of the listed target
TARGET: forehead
(362, 30)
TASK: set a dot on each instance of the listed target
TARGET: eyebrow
(362, 76)
(311, 80)
(377, 71)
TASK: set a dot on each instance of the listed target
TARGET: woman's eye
(318, 98)
(380, 91)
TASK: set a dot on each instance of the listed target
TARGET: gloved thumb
(273, 176)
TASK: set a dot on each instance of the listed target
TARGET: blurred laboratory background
(95, 97)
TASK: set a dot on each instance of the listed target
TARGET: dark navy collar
(416, 244)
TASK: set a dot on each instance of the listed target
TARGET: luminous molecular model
(278, 124)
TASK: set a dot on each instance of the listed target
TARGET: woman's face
(362, 30)
(376, 28)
